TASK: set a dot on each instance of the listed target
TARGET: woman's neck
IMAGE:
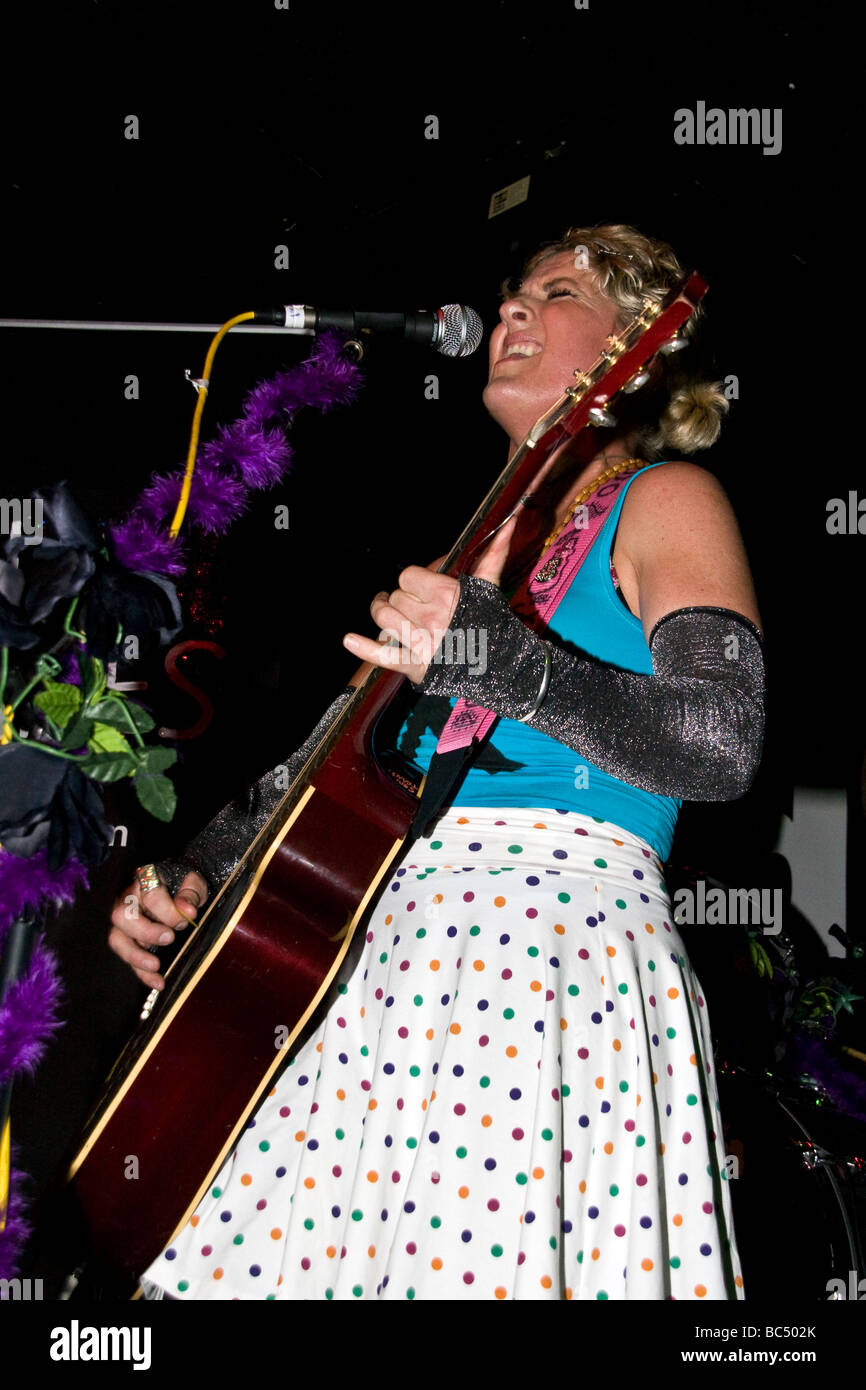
(568, 470)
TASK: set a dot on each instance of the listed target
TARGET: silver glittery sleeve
(218, 848)
(693, 729)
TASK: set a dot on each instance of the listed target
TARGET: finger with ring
(148, 878)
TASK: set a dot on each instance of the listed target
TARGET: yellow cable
(5, 1148)
(177, 521)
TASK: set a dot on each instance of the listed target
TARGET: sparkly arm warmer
(693, 729)
(218, 848)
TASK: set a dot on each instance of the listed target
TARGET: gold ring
(148, 878)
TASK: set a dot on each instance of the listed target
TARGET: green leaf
(59, 701)
(92, 677)
(158, 759)
(111, 711)
(78, 731)
(156, 794)
(141, 718)
(107, 767)
(106, 739)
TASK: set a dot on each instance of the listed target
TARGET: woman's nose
(514, 310)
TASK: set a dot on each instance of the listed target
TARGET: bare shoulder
(671, 488)
(680, 537)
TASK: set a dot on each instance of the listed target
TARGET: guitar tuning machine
(581, 382)
(637, 381)
(649, 311)
(674, 344)
(615, 349)
(601, 417)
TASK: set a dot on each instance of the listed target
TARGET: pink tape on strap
(537, 600)
(465, 723)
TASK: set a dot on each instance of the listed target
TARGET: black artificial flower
(36, 577)
(48, 801)
(78, 828)
(69, 559)
(144, 606)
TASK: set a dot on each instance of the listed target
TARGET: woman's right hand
(141, 920)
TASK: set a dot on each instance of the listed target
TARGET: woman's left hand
(415, 617)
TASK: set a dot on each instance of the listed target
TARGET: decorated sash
(538, 598)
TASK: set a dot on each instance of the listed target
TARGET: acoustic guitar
(251, 974)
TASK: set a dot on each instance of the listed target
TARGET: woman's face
(556, 323)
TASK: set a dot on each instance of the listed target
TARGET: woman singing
(510, 1094)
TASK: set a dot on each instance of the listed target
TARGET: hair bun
(693, 416)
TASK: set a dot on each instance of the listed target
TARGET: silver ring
(148, 878)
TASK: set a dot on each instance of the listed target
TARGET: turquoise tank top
(527, 768)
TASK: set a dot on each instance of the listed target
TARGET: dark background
(305, 127)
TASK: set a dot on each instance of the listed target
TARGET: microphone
(454, 330)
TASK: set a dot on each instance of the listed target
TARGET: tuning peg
(638, 380)
(674, 344)
(601, 417)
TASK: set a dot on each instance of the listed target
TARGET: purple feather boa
(250, 454)
(17, 1228)
(28, 1014)
(29, 1011)
(29, 883)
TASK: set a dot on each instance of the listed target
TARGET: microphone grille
(460, 330)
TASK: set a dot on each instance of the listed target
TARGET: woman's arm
(679, 544)
(694, 728)
(142, 921)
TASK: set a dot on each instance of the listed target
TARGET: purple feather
(325, 379)
(250, 454)
(140, 544)
(161, 498)
(215, 498)
(266, 459)
(29, 883)
(28, 1019)
(28, 1014)
(273, 399)
(260, 456)
(16, 1230)
(69, 672)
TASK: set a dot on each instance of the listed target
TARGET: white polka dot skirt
(510, 1095)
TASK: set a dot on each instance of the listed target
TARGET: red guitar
(273, 937)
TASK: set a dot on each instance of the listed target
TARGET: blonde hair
(682, 412)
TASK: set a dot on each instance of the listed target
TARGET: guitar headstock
(623, 364)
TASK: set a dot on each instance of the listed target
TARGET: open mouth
(521, 350)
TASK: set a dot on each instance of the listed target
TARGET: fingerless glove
(693, 729)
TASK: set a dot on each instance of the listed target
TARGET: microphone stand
(119, 326)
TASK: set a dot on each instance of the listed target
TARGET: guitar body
(237, 996)
(251, 975)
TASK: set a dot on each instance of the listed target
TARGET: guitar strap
(536, 601)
